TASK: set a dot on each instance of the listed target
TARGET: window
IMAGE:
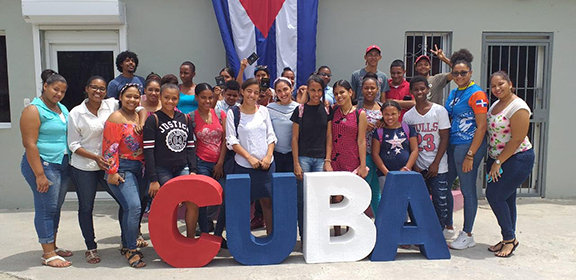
(4, 96)
(419, 43)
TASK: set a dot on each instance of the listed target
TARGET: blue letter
(273, 249)
(402, 191)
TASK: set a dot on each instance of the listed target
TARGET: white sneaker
(448, 234)
(463, 241)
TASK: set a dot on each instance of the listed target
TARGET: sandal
(140, 242)
(137, 263)
(514, 242)
(48, 261)
(125, 250)
(63, 252)
(498, 245)
(92, 256)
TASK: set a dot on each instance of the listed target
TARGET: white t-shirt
(255, 133)
(428, 127)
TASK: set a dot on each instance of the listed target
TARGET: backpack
(229, 162)
(193, 114)
(405, 127)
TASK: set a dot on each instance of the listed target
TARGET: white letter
(319, 215)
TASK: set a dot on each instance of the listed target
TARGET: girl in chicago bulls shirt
(169, 148)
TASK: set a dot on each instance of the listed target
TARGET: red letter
(171, 246)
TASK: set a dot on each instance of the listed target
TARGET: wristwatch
(470, 153)
(498, 162)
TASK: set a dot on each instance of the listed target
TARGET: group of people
(132, 135)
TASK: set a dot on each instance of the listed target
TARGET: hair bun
(462, 54)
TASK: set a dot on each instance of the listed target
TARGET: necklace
(346, 114)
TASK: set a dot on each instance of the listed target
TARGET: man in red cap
(372, 57)
(438, 81)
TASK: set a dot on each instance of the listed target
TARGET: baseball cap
(373, 47)
(421, 57)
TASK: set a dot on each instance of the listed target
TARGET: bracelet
(327, 160)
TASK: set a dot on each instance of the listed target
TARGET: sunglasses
(326, 74)
(461, 74)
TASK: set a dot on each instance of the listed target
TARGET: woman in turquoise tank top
(44, 165)
(188, 102)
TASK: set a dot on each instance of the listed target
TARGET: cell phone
(252, 58)
(219, 80)
(264, 84)
(407, 97)
(489, 180)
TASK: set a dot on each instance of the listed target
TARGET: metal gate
(526, 57)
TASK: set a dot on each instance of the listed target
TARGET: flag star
(402, 133)
(397, 150)
(396, 142)
(387, 135)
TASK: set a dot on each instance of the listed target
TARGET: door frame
(40, 50)
(541, 115)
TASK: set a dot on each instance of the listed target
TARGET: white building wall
(165, 33)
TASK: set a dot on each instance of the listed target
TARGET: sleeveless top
(187, 103)
(345, 156)
(52, 144)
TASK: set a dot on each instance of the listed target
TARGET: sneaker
(448, 233)
(463, 241)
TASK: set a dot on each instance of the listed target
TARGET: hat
(421, 57)
(373, 47)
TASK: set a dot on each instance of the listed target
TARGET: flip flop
(511, 251)
(47, 261)
(497, 244)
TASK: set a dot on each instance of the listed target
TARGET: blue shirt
(51, 143)
(280, 117)
(395, 148)
(329, 95)
(116, 85)
(462, 105)
(187, 103)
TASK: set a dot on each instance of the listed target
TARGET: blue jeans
(204, 168)
(502, 194)
(456, 156)
(86, 185)
(308, 164)
(372, 180)
(129, 196)
(47, 205)
(438, 187)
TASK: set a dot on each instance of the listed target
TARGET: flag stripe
(243, 33)
(222, 17)
(286, 36)
(267, 50)
(307, 22)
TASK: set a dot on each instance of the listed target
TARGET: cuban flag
(281, 32)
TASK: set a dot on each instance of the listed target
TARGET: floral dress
(373, 116)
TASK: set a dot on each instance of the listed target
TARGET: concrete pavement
(546, 231)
